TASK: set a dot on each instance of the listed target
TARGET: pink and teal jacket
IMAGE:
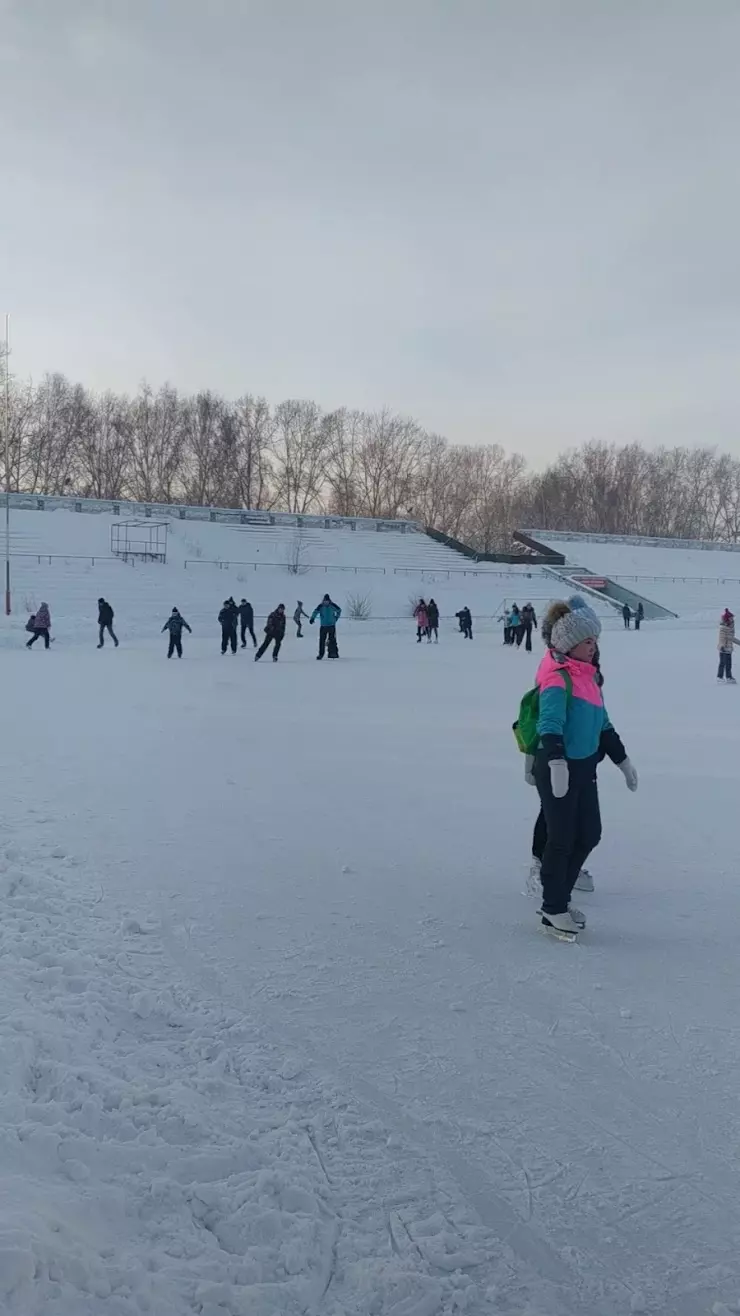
(573, 728)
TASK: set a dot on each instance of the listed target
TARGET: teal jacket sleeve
(551, 721)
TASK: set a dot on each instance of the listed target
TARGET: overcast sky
(517, 220)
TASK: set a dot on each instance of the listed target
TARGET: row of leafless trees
(167, 447)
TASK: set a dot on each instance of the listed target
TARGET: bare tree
(252, 471)
(297, 556)
(202, 449)
(390, 463)
(343, 436)
(158, 447)
(157, 442)
(104, 439)
(298, 451)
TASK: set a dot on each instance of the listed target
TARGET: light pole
(7, 465)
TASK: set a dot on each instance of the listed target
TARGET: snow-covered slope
(690, 581)
(62, 557)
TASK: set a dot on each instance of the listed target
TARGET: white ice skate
(533, 887)
(576, 914)
(562, 926)
(731, 680)
(584, 881)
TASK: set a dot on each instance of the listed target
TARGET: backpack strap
(568, 684)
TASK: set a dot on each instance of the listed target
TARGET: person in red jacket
(422, 620)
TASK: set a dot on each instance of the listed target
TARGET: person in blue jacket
(515, 625)
(328, 614)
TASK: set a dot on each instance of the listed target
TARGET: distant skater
(639, 616)
(274, 632)
(175, 624)
(627, 615)
(297, 615)
(422, 620)
(529, 620)
(228, 618)
(466, 622)
(105, 623)
(40, 624)
(433, 621)
(246, 622)
(725, 646)
(328, 614)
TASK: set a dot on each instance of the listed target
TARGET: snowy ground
(280, 1036)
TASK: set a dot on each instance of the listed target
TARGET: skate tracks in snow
(315, 1058)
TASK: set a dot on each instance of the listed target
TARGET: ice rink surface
(274, 992)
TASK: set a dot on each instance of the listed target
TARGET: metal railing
(302, 569)
(66, 557)
(449, 572)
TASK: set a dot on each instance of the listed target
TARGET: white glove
(629, 772)
(559, 778)
(529, 770)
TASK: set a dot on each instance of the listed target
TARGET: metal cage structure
(145, 540)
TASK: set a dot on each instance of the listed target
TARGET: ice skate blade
(549, 931)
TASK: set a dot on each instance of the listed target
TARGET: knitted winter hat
(570, 626)
(577, 603)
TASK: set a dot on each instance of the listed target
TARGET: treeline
(165, 446)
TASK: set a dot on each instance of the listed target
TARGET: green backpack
(525, 727)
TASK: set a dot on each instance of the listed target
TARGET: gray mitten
(629, 771)
(559, 778)
(529, 770)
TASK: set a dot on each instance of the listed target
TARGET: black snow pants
(468, 632)
(528, 640)
(539, 836)
(328, 636)
(37, 635)
(265, 646)
(101, 638)
(247, 628)
(175, 645)
(725, 665)
(573, 828)
(228, 637)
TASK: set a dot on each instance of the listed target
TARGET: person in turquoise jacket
(328, 614)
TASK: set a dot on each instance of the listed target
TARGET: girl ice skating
(572, 728)
(584, 881)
